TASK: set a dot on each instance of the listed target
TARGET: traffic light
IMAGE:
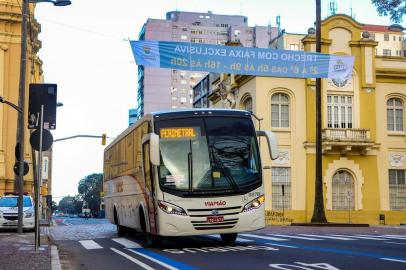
(103, 139)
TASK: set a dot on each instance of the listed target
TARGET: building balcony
(344, 140)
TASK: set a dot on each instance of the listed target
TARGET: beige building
(10, 46)
(364, 133)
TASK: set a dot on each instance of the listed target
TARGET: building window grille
(387, 52)
(281, 176)
(386, 37)
(248, 104)
(339, 111)
(343, 191)
(397, 190)
(294, 47)
(280, 110)
(395, 114)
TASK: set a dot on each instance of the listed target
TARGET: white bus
(188, 172)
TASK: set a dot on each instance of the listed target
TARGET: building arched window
(394, 115)
(247, 104)
(280, 110)
(343, 191)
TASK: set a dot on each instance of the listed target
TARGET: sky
(85, 50)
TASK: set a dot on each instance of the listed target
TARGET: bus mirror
(272, 143)
(154, 149)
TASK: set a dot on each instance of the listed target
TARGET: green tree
(395, 8)
(54, 206)
(67, 205)
(89, 190)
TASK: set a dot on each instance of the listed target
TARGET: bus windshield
(209, 155)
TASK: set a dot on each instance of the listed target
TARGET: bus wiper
(220, 165)
(190, 167)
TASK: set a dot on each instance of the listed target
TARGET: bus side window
(147, 166)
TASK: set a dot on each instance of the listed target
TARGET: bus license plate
(215, 219)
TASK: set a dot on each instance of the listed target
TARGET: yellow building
(364, 133)
(10, 46)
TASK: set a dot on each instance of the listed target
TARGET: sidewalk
(18, 251)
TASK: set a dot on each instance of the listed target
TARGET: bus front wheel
(228, 238)
(153, 240)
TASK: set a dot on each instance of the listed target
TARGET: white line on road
(327, 236)
(395, 243)
(297, 237)
(280, 245)
(126, 243)
(263, 237)
(90, 244)
(239, 239)
(393, 260)
(143, 265)
(386, 237)
(154, 260)
(360, 237)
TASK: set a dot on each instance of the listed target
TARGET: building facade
(162, 89)
(10, 48)
(364, 134)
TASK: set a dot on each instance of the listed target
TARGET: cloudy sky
(85, 51)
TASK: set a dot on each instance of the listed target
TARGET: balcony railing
(346, 134)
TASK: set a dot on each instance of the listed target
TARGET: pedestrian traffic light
(103, 139)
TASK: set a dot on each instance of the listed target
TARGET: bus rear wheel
(228, 238)
(120, 229)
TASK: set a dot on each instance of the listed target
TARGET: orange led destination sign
(184, 132)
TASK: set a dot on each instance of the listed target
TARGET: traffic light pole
(39, 181)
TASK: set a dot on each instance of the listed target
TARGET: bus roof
(179, 113)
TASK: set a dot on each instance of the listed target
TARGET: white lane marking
(143, 265)
(154, 260)
(262, 237)
(280, 245)
(126, 243)
(360, 237)
(400, 237)
(395, 243)
(297, 237)
(239, 239)
(393, 260)
(327, 236)
(90, 244)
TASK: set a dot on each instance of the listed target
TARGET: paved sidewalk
(18, 251)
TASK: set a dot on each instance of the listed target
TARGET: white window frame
(393, 111)
(281, 176)
(397, 190)
(280, 109)
(340, 111)
(343, 191)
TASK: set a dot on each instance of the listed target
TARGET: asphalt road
(93, 244)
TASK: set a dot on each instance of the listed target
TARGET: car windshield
(208, 155)
(12, 202)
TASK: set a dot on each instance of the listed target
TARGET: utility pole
(19, 183)
(318, 212)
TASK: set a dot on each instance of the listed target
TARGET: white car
(9, 212)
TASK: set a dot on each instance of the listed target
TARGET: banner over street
(241, 60)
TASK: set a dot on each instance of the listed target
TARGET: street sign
(16, 168)
(42, 94)
(47, 140)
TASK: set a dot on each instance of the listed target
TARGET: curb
(55, 262)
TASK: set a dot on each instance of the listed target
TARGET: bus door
(149, 194)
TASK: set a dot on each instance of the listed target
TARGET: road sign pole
(39, 180)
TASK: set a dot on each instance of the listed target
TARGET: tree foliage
(89, 190)
(70, 204)
(395, 8)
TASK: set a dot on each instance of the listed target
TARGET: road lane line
(126, 243)
(162, 260)
(388, 237)
(90, 244)
(393, 260)
(327, 236)
(280, 245)
(297, 237)
(263, 237)
(361, 237)
(395, 243)
(143, 265)
(239, 239)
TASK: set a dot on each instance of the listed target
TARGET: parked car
(9, 211)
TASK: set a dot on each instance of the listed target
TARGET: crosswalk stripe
(239, 239)
(297, 237)
(126, 243)
(263, 237)
(90, 244)
(280, 245)
(143, 265)
(327, 236)
(393, 260)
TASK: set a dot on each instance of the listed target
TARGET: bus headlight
(254, 204)
(29, 213)
(171, 209)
